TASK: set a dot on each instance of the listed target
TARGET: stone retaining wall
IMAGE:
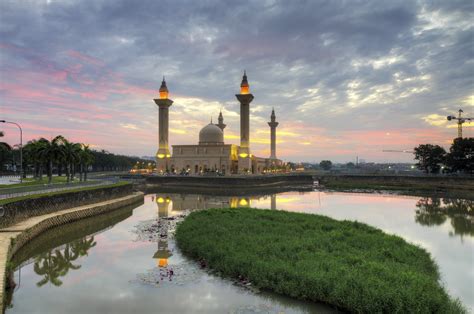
(230, 183)
(16, 236)
(15, 212)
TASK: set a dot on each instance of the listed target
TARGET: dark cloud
(345, 65)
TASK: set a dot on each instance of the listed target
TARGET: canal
(125, 262)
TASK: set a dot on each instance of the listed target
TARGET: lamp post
(21, 147)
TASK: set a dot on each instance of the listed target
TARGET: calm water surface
(106, 265)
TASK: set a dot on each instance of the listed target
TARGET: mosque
(211, 154)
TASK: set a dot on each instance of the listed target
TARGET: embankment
(17, 209)
(463, 185)
(229, 184)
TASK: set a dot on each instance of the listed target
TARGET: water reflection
(436, 211)
(54, 252)
(56, 263)
(161, 256)
(110, 278)
(430, 211)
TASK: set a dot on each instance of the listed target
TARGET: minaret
(221, 124)
(163, 155)
(245, 98)
(273, 124)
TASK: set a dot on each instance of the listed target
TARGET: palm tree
(40, 154)
(86, 159)
(51, 152)
(70, 157)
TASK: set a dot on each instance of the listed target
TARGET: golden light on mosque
(244, 86)
(243, 202)
(162, 262)
(163, 95)
(163, 90)
(161, 156)
(243, 155)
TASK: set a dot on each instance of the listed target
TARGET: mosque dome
(211, 134)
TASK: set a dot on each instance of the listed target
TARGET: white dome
(211, 134)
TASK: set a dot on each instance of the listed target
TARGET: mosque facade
(211, 154)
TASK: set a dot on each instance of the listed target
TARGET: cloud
(331, 70)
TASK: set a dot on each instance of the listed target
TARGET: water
(107, 265)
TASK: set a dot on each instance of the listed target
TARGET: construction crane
(461, 120)
(397, 151)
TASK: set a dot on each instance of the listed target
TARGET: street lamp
(21, 147)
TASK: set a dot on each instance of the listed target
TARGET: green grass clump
(347, 264)
(45, 194)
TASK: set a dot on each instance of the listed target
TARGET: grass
(40, 195)
(346, 264)
(33, 181)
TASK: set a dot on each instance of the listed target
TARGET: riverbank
(16, 236)
(346, 264)
(13, 210)
(416, 185)
(227, 184)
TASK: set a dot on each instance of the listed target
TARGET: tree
(86, 159)
(5, 153)
(325, 164)
(430, 157)
(71, 157)
(461, 155)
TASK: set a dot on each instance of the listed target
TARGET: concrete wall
(223, 184)
(17, 211)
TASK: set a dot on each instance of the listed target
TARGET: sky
(347, 79)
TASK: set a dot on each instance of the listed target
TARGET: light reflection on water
(119, 273)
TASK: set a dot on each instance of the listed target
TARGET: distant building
(211, 154)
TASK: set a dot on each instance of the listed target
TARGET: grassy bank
(33, 181)
(40, 195)
(416, 190)
(346, 264)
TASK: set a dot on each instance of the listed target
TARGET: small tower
(273, 125)
(163, 155)
(221, 124)
(245, 98)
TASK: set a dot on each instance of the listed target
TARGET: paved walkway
(35, 225)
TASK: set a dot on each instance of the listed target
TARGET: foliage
(40, 195)
(346, 264)
(58, 153)
(325, 164)
(430, 157)
(5, 150)
(461, 155)
(105, 161)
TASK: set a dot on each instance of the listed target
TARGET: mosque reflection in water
(172, 204)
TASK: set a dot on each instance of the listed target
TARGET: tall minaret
(163, 155)
(221, 124)
(245, 98)
(273, 124)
